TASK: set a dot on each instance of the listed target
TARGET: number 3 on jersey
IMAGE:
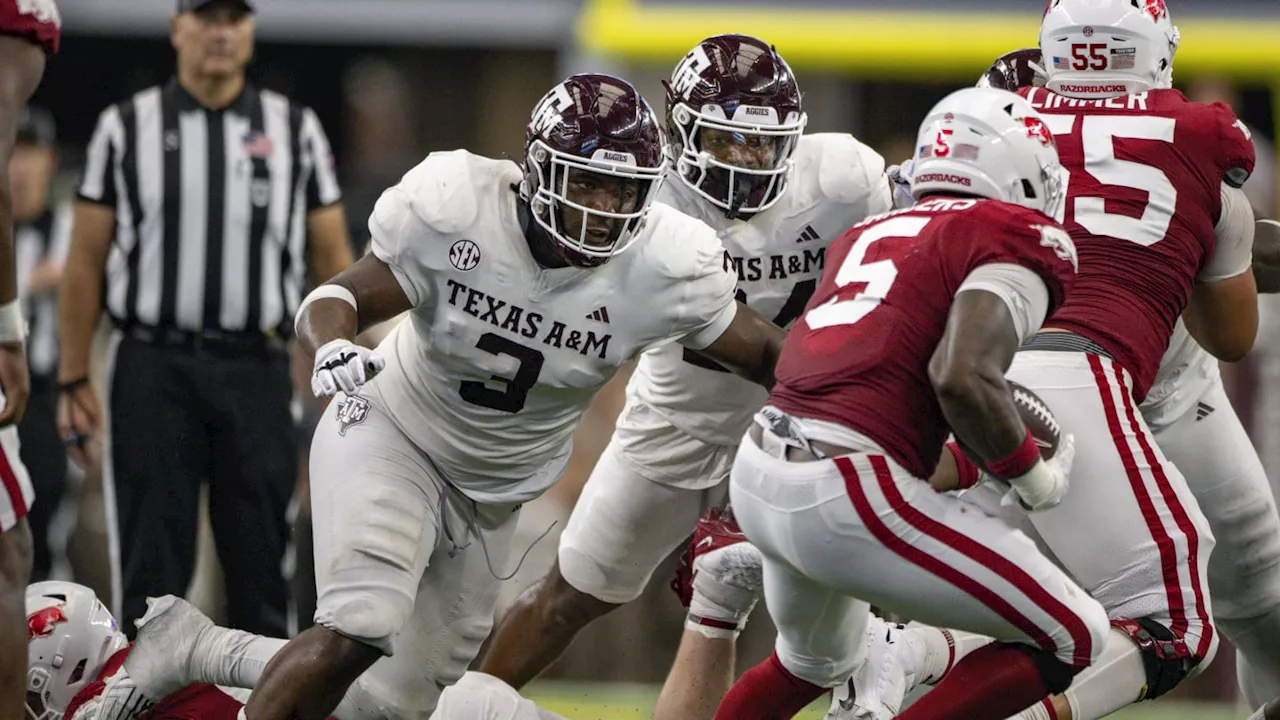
(878, 275)
(1097, 137)
(511, 399)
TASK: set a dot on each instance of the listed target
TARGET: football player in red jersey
(1219, 463)
(1162, 230)
(29, 31)
(909, 334)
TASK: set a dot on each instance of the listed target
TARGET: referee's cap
(193, 5)
(36, 127)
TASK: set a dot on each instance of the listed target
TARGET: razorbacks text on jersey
(35, 20)
(777, 257)
(859, 356)
(1143, 197)
(500, 356)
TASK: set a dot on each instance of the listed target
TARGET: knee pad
(365, 620)
(1057, 675)
(1165, 656)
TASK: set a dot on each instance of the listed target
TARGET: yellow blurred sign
(897, 44)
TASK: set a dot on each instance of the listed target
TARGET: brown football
(1038, 419)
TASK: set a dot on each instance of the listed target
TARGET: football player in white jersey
(777, 198)
(526, 289)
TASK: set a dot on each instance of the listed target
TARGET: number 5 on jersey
(1097, 136)
(878, 275)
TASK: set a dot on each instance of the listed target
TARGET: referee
(204, 202)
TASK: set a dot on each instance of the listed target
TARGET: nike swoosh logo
(704, 541)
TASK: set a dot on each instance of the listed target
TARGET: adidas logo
(808, 235)
(601, 315)
(1202, 411)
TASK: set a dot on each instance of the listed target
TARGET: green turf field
(600, 701)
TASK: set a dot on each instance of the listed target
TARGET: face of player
(215, 41)
(744, 150)
(602, 193)
(31, 170)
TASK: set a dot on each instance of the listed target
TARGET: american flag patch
(1061, 63)
(258, 145)
(964, 151)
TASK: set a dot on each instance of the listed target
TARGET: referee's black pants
(181, 417)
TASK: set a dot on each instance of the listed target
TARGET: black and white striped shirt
(211, 208)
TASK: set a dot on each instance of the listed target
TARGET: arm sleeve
(708, 304)
(1233, 251)
(1022, 290)
(322, 187)
(101, 159)
(394, 230)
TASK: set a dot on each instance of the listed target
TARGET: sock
(936, 651)
(1257, 641)
(1042, 710)
(1113, 682)
(767, 691)
(992, 683)
(233, 658)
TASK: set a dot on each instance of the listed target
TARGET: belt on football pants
(798, 447)
(1064, 342)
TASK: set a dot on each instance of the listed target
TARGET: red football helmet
(1015, 70)
(598, 124)
(741, 86)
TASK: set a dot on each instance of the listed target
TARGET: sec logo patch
(464, 255)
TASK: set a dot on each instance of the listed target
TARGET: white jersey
(778, 257)
(1187, 371)
(499, 356)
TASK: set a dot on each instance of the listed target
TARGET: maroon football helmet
(599, 124)
(738, 85)
(1015, 70)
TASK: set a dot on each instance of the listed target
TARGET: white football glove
(1045, 484)
(343, 365)
(900, 176)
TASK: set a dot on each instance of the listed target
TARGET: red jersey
(859, 356)
(1143, 197)
(35, 20)
(194, 702)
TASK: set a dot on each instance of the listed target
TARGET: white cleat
(876, 689)
(159, 662)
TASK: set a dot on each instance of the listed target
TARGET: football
(1038, 418)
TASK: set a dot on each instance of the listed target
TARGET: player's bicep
(378, 292)
(1223, 316)
(979, 342)
(749, 345)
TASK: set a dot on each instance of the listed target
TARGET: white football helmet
(1107, 48)
(988, 143)
(70, 636)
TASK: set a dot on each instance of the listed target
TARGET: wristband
(969, 473)
(711, 628)
(13, 328)
(1017, 463)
